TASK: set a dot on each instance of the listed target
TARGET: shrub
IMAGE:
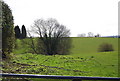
(105, 47)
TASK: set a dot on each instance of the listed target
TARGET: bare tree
(53, 37)
(82, 35)
(90, 34)
(98, 35)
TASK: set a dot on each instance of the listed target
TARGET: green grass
(82, 46)
(94, 65)
(84, 60)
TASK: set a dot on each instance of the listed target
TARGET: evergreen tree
(17, 32)
(7, 31)
(24, 34)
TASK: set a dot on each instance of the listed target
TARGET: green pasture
(100, 64)
(80, 45)
(90, 45)
(83, 60)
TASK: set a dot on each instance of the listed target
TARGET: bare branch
(50, 33)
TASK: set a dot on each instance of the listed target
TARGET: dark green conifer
(24, 34)
(7, 31)
(17, 32)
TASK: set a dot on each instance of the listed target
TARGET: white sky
(80, 16)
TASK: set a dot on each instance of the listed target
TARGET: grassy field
(90, 45)
(84, 60)
(80, 46)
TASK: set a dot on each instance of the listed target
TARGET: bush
(105, 47)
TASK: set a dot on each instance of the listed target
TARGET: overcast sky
(80, 16)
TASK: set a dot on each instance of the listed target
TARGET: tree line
(90, 34)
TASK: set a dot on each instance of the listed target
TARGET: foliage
(105, 47)
(24, 34)
(30, 44)
(17, 32)
(20, 34)
(52, 37)
(7, 30)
